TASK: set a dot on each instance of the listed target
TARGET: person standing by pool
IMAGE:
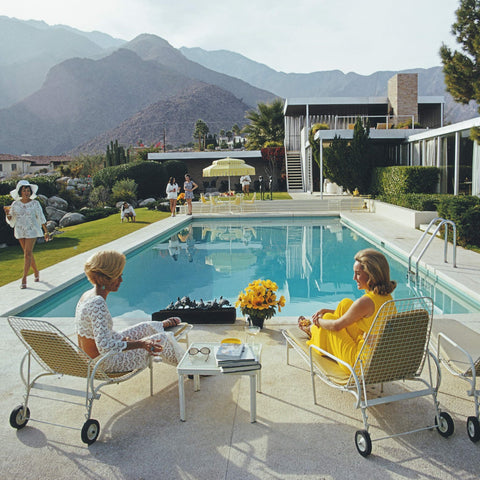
(189, 186)
(245, 181)
(95, 324)
(341, 331)
(172, 191)
(25, 216)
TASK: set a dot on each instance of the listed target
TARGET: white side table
(199, 365)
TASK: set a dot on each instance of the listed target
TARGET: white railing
(393, 119)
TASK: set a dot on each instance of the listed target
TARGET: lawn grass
(81, 238)
(75, 239)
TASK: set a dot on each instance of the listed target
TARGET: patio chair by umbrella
(227, 167)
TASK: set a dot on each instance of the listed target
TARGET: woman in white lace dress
(26, 217)
(95, 325)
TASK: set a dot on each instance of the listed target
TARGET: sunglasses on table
(195, 351)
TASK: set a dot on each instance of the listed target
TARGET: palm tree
(200, 133)
(266, 125)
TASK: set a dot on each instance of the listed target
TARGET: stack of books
(236, 357)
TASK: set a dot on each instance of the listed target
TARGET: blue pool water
(310, 259)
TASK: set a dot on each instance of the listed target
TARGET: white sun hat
(24, 183)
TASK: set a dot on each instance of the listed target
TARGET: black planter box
(197, 315)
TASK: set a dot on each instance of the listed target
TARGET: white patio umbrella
(227, 167)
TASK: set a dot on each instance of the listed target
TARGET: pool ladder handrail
(443, 221)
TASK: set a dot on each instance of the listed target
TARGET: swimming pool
(309, 258)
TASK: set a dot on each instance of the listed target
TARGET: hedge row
(6, 231)
(151, 177)
(463, 210)
(400, 180)
(423, 202)
(46, 185)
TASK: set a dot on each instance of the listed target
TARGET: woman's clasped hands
(154, 347)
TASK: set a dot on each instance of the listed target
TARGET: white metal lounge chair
(395, 348)
(57, 354)
(458, 349)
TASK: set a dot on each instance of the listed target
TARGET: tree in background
(141, 155)
(349, 164)
(266, 125)
(462, 68)
(116, 155)
(274, 156)
(200, 133)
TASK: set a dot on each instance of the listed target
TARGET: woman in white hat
(26, 217)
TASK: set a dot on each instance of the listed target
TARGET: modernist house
(395, 122)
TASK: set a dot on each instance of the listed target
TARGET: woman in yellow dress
(342, 331)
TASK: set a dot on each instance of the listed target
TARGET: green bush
(423, 202)
(97, 213)
(46, 185)
(173, 168)
(124, 191)
(399, 180)
(99, 197)
(75, 201)
(162, 205)
(6, 231)
(464, 211)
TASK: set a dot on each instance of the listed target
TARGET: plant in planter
(259, 301)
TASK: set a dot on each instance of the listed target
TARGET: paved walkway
(142, 437)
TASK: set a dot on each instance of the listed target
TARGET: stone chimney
(403, 97)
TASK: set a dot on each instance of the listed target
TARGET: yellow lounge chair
(395, 349)
(251, 202)
(58, 355)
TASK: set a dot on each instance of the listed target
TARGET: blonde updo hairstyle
(375, 265)
(102, 268)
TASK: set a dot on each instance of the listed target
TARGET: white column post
(456, 181)
(321, 169)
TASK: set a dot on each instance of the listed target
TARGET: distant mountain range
(64, 90)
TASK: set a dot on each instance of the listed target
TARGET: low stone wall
(405, 216)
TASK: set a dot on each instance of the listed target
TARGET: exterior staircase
(294, 172)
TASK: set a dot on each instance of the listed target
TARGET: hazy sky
(287, 35)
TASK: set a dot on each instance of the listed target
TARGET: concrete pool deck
(142, 437)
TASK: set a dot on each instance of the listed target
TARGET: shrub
(424, 202)
(173, 168)
(464, 211)
(46, 185)
(163, 205)
(99, 197)
(75, 202)
(399, 180)
(6, 231)
(150, 177)
(124, 191)
(97, 213)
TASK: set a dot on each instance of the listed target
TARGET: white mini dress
(27, 219)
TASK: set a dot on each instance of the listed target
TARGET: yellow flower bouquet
(259, 301)
(181, 198)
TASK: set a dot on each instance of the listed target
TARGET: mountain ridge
(52, 104)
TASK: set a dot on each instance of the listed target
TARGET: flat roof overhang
(375, 134)
(298, 106)
(241, 154)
